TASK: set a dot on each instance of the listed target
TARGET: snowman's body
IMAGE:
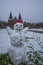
(17, 48)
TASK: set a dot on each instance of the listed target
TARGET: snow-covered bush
(35, 58)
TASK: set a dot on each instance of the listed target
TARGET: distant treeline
(33, 25)
(30, 25)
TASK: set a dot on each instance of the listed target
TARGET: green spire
(10, 17)
(19, 16)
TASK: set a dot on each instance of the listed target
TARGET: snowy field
(34, 39)
(37, 29)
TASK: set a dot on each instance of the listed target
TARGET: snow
(4, 41)
(37, 29)
(34, 39)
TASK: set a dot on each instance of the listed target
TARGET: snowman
(17, 40)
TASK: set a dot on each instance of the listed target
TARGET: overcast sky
(31, 10)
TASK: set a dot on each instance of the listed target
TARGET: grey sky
(31, 10)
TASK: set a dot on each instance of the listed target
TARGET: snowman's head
(18, 26)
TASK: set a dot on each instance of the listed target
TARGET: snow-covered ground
(34, 40)
(4, 41)
(37, 29)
